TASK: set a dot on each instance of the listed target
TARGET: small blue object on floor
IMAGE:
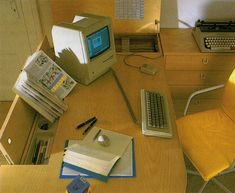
(78, 185)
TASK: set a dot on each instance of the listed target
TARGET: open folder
(89, 158)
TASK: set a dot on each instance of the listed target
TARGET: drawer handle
(202, 76)
(197, 102)
(205, 60)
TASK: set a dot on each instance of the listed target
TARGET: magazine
(43, 85)
(47, 73)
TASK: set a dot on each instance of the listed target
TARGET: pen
(86, 122)
(90, 126)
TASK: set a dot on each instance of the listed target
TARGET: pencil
(89, 127)
(86, 122)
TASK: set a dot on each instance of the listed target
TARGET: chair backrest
(228, 99)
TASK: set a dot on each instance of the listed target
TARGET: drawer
(183, 92)
(197, 77)
(200, 62)
(196, 105)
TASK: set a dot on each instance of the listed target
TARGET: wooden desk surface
(159, 162)
(172, 40)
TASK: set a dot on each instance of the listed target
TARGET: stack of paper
(90, 158)
(43, 85)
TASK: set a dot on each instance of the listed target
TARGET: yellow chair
(208, 138)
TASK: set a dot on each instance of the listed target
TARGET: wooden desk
(159, 162)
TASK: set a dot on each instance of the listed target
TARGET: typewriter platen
(215, 36)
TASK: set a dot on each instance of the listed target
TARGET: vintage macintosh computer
(85, 48)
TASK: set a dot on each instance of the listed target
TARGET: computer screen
(85, 48)
(98, 42)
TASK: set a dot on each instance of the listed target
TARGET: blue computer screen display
(98, 42)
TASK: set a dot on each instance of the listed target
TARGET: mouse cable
(137, 55)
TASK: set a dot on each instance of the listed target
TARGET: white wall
(187, 11)
(184, 13)
(45, 14)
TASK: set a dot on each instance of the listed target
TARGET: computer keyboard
(155, 114)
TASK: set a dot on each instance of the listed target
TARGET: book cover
(49, 75)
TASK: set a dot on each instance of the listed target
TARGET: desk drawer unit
(188, 73)
(189, 70)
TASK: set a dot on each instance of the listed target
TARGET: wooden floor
(194, 182)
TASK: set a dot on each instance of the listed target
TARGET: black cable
(137, 55)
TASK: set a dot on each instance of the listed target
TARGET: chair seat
(208, 139)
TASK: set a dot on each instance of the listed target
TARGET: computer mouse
(103, 140)
(148, 69)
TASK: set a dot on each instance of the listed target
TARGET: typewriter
(214, 36)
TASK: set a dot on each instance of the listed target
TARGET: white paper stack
(90, 158)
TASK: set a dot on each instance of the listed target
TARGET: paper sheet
(115, 147)
(129, 9)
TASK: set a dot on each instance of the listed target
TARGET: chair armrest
(200, 92)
